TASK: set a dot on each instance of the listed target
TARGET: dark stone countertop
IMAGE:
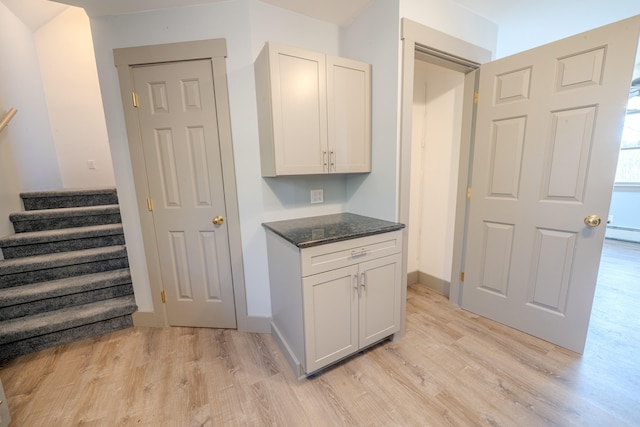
(320, 230)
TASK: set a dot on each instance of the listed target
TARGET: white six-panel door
(546, 143)
(179, 133)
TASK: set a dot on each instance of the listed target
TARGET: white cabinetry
(329, 301)
(314, 112)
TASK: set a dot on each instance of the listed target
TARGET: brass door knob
(592, 220)
(218, 220)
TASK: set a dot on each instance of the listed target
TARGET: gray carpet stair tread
(56, 288)
(64, 212)
(68, 192)
(53, 321)
(40, 262)
(35, 237)
(65, 275)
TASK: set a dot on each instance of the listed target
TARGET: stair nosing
(60, 234)
(25, 294)
(68, 192)
(22, 328)
(60, 259)
(65, 212)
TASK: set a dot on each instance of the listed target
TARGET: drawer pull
(359, 252)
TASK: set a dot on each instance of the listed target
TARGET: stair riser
(65, 301)
(12, 252)
(65, 222)
(31, 345)
(25, 278)
(37, 203)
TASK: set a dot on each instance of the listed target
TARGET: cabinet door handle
(363, 281)
(332, 160)
(324, 160)
(356, 286)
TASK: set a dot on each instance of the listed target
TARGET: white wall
(35, 163)
(70, 79)
(454, 20)
(435, 150)
(625, 205)
(544, 21)
(9, 178)
(246, 25)
(374, 38)
(10, 184)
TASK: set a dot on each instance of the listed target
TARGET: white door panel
(177, 116)
(548, 129)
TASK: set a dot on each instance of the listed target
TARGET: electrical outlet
(317, 196)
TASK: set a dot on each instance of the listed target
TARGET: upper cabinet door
(349, 115)
(314, 112)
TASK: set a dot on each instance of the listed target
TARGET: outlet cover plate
(317, 196)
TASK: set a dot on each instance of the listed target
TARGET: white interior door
(179, 132)
(548, 130)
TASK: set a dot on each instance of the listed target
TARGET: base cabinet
(333, 300)
(349, 309)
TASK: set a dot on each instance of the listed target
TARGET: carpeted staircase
(65, 276)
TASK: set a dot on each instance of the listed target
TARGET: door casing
(216, 51)
(414, 34)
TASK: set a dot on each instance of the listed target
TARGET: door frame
(216, 51)
(415, 36)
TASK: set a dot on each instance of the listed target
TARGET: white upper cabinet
(348, 115)
(314, 112)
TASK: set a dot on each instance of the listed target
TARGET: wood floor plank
(452, 368)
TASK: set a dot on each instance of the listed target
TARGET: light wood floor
(451, 368)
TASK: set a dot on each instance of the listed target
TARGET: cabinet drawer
(318, 259)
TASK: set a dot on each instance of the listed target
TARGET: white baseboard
(260, 325)
(439, 285)
(623, 233)
(287, 352)
(146, 319)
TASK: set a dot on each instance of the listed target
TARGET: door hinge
(149, 204)
(462, 276)
(164, 296)
(475, 97)
(134, 98)
(468, 192)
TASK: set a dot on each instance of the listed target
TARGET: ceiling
(36, 13)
